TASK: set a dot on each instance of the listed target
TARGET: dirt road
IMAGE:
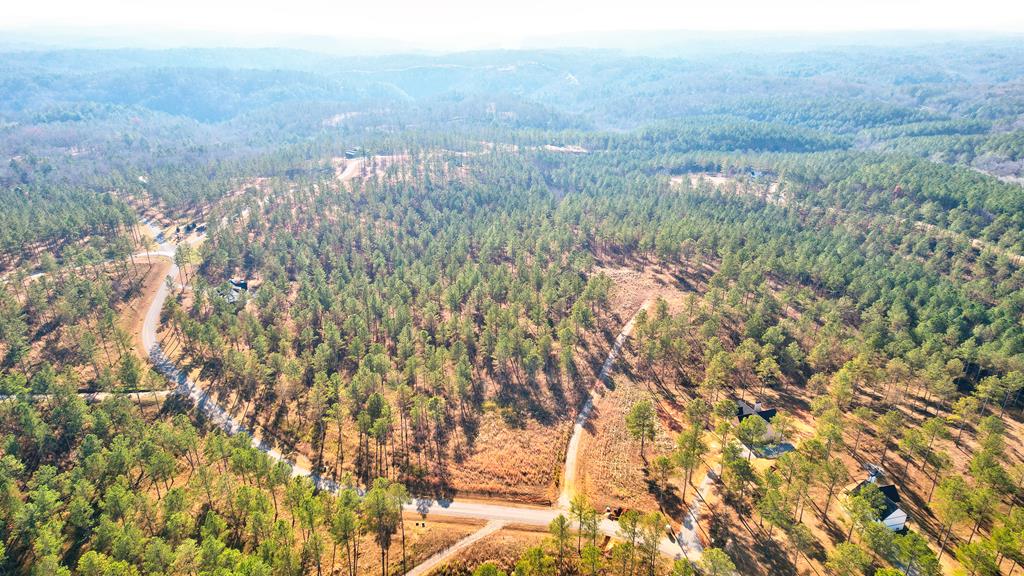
(443, 556)
(569, 471)
(351, 170)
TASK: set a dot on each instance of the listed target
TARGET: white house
(892, 516)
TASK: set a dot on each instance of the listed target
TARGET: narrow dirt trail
(425, 567)
(977, 243)
(571, 468)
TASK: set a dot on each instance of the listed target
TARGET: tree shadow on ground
(750, 547)
(470, 422)
(588, 425)
(669, 498)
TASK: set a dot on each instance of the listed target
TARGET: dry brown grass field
(517, 462)
(611, 471)
(502, 548)
(422, 542)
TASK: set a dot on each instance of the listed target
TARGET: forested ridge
(401, 277)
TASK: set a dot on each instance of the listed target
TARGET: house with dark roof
(234, 289)
(891, 515)
(744, 411)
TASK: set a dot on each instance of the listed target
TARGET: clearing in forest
(769, 191)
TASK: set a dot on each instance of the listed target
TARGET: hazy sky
(505, 22)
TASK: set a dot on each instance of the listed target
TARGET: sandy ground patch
(632, 285)
(768, 191)
(569, 149)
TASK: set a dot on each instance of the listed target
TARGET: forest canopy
(259, 308)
